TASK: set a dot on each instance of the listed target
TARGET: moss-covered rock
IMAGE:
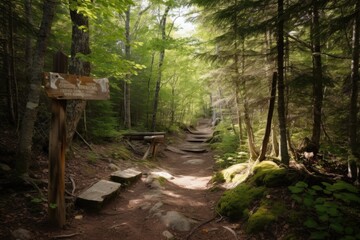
(234, 202)
(265, 215)
(236, 173)
(269, 174)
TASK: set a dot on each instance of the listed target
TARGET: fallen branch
(83, 139)
(65, 236)
(73, 185)
(198, 226)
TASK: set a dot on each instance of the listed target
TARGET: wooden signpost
(61, 87)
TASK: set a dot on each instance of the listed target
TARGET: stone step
(196, 148)
(97, 195)
(126, 177)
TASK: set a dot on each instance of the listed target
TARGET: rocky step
(97, 195)
(196, 148)
(125, 177)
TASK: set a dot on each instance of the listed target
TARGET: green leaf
(317, 188)
(333, 212)
(295, 189)
(349, 230)
(311, 223)
(319, 235)
(324, 217)
(301, 184)
(347, 197)
(297, 198)
(308, 201)
(337, 227)
(321, 208)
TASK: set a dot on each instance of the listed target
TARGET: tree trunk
(127, 98)
(269, 118)
(79, 44)
(284, 155)
(29, 118)
(354, 92)
(12, 95)
(148, 88)
(317, 74)
(161, 62)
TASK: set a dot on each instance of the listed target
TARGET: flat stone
(197, 148)
(126, 177)
(195, 161)
(98, 194)
(175, 150)
(22, 234)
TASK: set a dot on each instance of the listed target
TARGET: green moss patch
(236, 173)
(265, 215)
(269, 174)
(235, 202)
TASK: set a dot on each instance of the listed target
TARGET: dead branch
(65, 236)
(198, 226)
(83, 139)
(73, 185)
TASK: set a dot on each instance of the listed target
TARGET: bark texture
(80, 44)
(161, 62)
(284, 155)
(30, 115)
(353, 123)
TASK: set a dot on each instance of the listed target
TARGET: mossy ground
(258, 200)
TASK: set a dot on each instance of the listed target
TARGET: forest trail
(169, 201)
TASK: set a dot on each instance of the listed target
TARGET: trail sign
(61, 87)
(66, 86)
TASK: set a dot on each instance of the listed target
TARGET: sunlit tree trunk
(281, 89)
(317, 74)
(29, 118)
(161, 62)
(354, 93)
(80, 44)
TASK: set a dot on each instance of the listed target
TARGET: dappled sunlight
(191, 182)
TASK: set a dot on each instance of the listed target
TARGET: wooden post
(59, 87)
(57, 146)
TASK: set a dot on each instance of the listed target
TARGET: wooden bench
(153, 138)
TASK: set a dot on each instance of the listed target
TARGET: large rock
(126, 177)
(98, 194)
(177, 221)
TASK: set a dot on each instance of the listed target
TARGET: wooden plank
(141, 135)
(57, 145)
(66, 86)
(98, 194)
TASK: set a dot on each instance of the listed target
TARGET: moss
(265, 215)
(234, 203)
(218, 178)
(269, 174)
(235, 172)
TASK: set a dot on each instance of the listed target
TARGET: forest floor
(139, 211)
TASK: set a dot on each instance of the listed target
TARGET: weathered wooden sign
(66, 86)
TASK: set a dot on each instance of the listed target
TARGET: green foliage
(102, 123)
(235, 202)
(331, 209)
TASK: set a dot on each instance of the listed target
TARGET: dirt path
(169, 202)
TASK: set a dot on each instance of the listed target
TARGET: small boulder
(22, 234)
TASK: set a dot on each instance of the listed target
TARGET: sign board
(66, 86)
